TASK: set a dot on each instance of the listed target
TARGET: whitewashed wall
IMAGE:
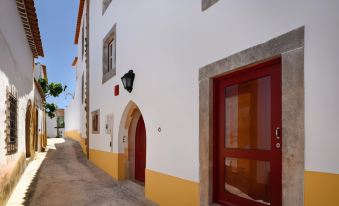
(166, 42)
(72, 118)
(51, 127)
(75, 115)
(16, 68)
(38, 71)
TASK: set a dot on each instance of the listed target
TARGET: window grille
(12, 125)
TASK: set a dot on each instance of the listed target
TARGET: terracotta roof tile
(44, 70)
(78, 25)
(29, 20)
(75, 61)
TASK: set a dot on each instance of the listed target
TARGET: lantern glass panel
(129, 82)
(124, 81)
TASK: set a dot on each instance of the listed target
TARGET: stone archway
(129, 131)
(28, 129)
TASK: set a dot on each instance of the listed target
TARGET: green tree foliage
(50, 109)
(44, 84)
(54, 90)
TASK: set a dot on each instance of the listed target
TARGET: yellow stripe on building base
(160, 188)
(111, 163)
(167, 190)
(321, 189)
(75, 135)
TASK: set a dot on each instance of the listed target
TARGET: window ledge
(107, 76)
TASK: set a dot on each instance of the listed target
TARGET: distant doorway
(28, 129)
(140, 151)
(36, 134)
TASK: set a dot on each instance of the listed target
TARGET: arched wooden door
(140, 151)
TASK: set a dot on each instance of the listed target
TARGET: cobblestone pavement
(65, 177)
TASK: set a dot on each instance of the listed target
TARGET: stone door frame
(290, 48)
(127, 135)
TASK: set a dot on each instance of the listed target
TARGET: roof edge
(78, 24)
(29, 19)
(44, 70)
(75, 61)
(40, 90)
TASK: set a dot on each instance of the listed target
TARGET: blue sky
(57, 21)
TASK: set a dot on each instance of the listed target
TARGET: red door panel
(247, 149)
(140, 151)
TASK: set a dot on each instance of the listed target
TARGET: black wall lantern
(127, 80)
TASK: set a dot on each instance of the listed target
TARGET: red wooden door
(247, 136)
(140, 151)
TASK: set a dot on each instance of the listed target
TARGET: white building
(40, 72)
(20, 99)
(257, 127)
(75, 113)
(56, 125)
(51, 127)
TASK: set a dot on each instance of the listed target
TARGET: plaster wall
(75, 114)
(166, 42)
(72, 118)
(16, 69)
(51, 124)
(38, 72)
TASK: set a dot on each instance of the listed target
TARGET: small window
(96, 122)
(205, 4)
(12, 125)
(109, 55)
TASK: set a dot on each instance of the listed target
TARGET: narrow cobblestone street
(67, 178)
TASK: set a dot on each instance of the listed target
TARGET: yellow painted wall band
(168, 190)
(111, 163)
(75, 135)
(321, 189)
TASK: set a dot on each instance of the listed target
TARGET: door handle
(277, 132)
